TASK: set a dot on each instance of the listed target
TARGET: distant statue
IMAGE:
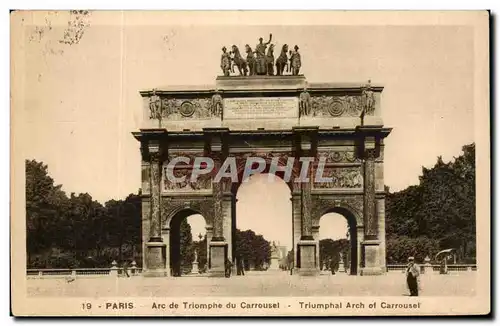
(250, 60)
(260, 53)
(225, 62)
(217, 104)
(282, 60)
(270, 60)
(304, 103)
(368, 98)
(239, 61)
(295, 62)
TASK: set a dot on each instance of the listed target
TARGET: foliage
(252, 248)
(186, 247)
(399, 248)
(329, 251)
(77, 231)
(437, 214)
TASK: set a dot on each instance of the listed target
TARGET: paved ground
(255, 284)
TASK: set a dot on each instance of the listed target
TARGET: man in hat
(412, 273)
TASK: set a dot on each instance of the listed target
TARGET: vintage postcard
(250, 163)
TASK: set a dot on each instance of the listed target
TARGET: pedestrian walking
(125, 269)
(228, 266)
(412, 274)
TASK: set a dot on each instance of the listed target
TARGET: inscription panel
(261, 107)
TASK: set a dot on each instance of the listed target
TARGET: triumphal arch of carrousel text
(273, 117)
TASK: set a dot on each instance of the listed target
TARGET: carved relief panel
(203, 205)
(203, 182)
(340, 106)
(340, 177)
(352, 204)
(338, 156)
(169, 108)
(183, 171)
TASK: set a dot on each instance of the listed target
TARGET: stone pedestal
(275, 264)
(217, 258)
(341, 267)
(341, 264)
(155, 259)
(427, 266)
(113, 272)
(372, 264)
(307, 256)
(194, 269)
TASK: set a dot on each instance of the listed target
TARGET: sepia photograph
(170, 163)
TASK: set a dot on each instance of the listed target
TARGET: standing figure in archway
(227, 266)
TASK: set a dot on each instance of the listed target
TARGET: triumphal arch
(268, 114)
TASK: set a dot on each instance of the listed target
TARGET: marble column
(370, 215)
(371, 244)
(297, 225)
(306, 211)
(307, 246)
(218, 245)
(155, 247)
(155, 227)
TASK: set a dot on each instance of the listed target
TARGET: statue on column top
(368, 98)
(304, 103)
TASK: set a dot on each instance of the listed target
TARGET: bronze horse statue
(270, 60)
(282, 61)
(251, 62)
(239, 61)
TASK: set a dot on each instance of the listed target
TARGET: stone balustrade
(112, 271)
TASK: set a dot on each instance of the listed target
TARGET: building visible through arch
(271, 117)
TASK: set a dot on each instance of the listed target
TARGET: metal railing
(435, 267)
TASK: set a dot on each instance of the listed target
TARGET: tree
(441, 208)
(45, 202)
(252, 249)
(77, 231)
(186, 244)
(329, 251)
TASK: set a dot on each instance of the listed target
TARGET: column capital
(306, 141)
(153, 143)
(216, 142)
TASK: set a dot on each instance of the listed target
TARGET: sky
(81, 101)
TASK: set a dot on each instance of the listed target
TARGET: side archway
(182, 250)
(352, 258)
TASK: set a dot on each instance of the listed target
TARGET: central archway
(262, 207)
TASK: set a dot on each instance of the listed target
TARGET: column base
(217, 258)
(308, 271)
(366, 271)
(307, 257)
(155, 273)
(372, 264)
(155, 259)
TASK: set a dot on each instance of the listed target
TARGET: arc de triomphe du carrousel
(264, 111)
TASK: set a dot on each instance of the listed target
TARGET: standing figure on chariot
(260, 53)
